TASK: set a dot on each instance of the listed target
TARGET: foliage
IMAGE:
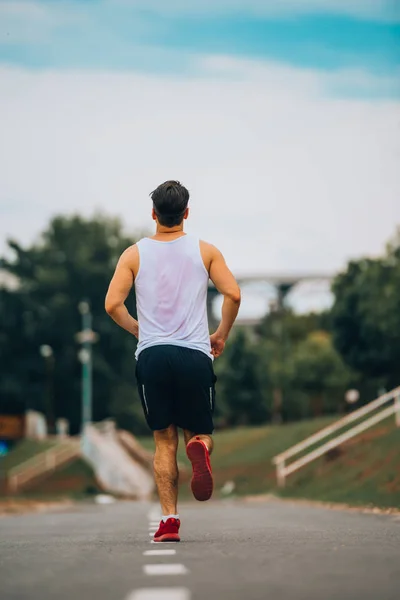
(240, 398)
(318, 370)
(73, 260)
(304, 375)
(366, 315)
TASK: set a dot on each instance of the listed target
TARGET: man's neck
(160, 230)
(168, 233)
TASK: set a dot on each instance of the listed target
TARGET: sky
(281, 118)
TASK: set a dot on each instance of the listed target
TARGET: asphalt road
(232, 550)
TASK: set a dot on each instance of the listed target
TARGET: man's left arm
(118, 291)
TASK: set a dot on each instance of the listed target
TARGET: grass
(244, 454)
(74, 480)
(24, 450)
(365, 471)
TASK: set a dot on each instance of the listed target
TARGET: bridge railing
(280, 461)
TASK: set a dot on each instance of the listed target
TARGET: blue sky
(282, 118)
(162, 36)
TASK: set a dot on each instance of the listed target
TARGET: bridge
(283, 282)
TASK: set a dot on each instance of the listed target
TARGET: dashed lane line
(160, 594)
(165, 569)
(166, 552)
(159, 543)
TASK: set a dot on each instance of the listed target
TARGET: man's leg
(207, 439)
(198, 449)
(195, 401)
(166, 469)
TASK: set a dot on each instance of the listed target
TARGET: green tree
(73, 260)
(366, 316)
(280, 333)
(319, 372)
(240, 399)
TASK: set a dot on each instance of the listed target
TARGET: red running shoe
(168, 531)
(202, 481)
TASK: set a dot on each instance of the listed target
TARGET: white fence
(41, 464)
(392, 398)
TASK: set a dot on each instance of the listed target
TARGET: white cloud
(32, 22)
(346, 81)
(370, 9)
(282, 177)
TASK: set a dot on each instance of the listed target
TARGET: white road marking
(154, 514)
(104, 499)
(151, 533)
(162, 569)
(159, 552)
(154, 523)
(153, 542)
(160, 594)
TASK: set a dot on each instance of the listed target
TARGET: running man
(175, 352)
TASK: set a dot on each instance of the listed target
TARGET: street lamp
(46, 352)
(86, 337)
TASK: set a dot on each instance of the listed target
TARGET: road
(229, 550)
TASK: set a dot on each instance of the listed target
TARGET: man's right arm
(227, 286)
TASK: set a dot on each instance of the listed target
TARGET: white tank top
(171, 295)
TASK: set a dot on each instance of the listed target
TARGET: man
(174, 371)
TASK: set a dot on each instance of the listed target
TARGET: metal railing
(283, 470)
(41, 464)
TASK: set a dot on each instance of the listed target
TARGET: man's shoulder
(130, 250)
(130, 255)
(207, 245)
(209, 254)
(209, 249)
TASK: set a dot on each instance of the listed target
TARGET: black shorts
(177, 387)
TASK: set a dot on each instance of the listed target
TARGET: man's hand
(217, 344)
(135, 331)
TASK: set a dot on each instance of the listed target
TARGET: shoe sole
(168, 537)
(202, 482)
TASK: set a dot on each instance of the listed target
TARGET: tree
(73, 260)
(319, 371)
(240, 400)
(280, 333)
(366, 315)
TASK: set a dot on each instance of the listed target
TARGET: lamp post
(86, 337)
(277, 331)
(47, 352)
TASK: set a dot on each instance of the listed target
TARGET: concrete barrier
(115, 469)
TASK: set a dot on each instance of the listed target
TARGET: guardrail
(43, 463)
(283, 470)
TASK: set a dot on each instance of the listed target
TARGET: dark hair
(170, 201)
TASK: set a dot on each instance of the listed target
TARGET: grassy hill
(75, 479)
(364, 471)
(24, 450)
